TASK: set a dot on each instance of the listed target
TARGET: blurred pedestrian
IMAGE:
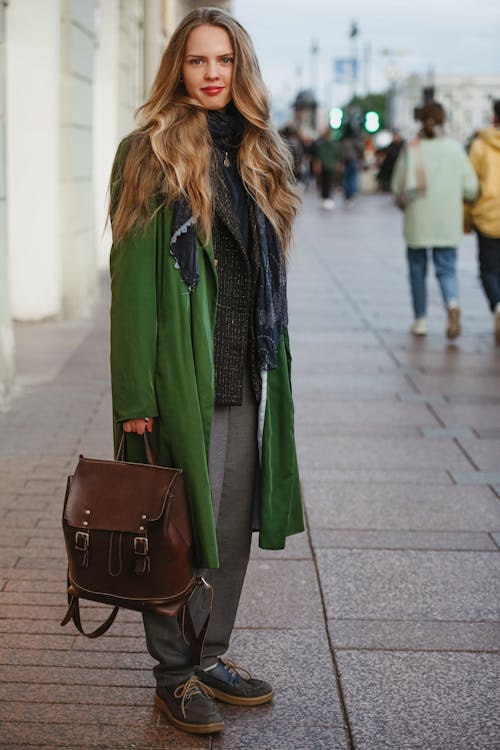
(389, 157)
(202, 205)
(291, 137)
(432, 177)
(484, 155)
(351, 153)
(308, 141)
(326, 155)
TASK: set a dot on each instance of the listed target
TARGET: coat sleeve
(134, 325)
(470, 185)
(476, 157)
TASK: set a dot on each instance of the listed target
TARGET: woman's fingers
(138, 426)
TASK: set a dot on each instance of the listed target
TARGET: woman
(432, 177)
(202, 203)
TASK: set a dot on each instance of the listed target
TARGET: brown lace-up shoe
(453, 329)
(497, 323)
(232, 684)
(190, 707)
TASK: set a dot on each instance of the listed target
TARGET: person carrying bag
(431, 179)
(202, 201)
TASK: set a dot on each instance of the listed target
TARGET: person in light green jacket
(202, 205)
(432, 178)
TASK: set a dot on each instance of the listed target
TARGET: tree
(356, 109)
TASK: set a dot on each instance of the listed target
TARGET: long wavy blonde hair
(170, 152)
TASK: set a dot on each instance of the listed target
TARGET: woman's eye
(195, 61)
(227, 60)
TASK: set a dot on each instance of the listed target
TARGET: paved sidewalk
(379, 626)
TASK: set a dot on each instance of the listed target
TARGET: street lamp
(314, 65)
(353, 36)
(393, 73)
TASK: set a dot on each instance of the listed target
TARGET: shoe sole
(237, 700)
(186, 726)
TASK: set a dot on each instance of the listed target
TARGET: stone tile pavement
(380, 625)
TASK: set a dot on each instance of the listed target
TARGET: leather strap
(150, 456)
(195, 641)
(184, 618)
(73, 613)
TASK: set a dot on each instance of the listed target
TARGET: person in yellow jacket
(484, 155)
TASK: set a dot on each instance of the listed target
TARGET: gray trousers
(233, 464)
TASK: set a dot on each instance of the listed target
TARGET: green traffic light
(336, 116)
(372, 122)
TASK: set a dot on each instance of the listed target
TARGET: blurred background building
(467, 101)
(72, 73)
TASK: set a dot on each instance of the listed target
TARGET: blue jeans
(350, 179)
(445, 265)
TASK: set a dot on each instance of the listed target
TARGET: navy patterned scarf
(271, 317)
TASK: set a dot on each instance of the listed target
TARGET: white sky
(450, 36)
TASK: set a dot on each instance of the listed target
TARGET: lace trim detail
(183, 229)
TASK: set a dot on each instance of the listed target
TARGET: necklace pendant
(227, 163)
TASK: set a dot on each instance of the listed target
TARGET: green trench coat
(162, 366)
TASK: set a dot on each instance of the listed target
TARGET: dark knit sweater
(237, 268)
(237, 257)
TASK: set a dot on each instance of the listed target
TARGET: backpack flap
(117, 496)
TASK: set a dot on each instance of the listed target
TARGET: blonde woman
(202, 205)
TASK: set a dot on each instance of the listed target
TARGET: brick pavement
(379, 626)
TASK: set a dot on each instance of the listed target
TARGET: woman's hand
(140, 426)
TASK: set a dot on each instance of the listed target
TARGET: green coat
(162, 366)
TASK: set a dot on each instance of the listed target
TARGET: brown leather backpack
(129, 543)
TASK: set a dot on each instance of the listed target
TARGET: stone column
(6, 336)
(106, 133)
(77, 236)
(154, 41)
(118, 91)
(32, 126)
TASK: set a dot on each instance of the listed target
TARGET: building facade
(72, 74)
(467, 101)
(6, 334)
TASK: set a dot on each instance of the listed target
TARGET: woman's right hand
(140, 426)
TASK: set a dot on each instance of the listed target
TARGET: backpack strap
(195, 637)
(73, 613)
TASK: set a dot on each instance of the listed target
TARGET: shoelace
(189, 689)
(236, 670)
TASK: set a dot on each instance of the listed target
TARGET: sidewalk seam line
(336, 670)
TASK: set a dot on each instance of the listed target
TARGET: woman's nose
(212, 70)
